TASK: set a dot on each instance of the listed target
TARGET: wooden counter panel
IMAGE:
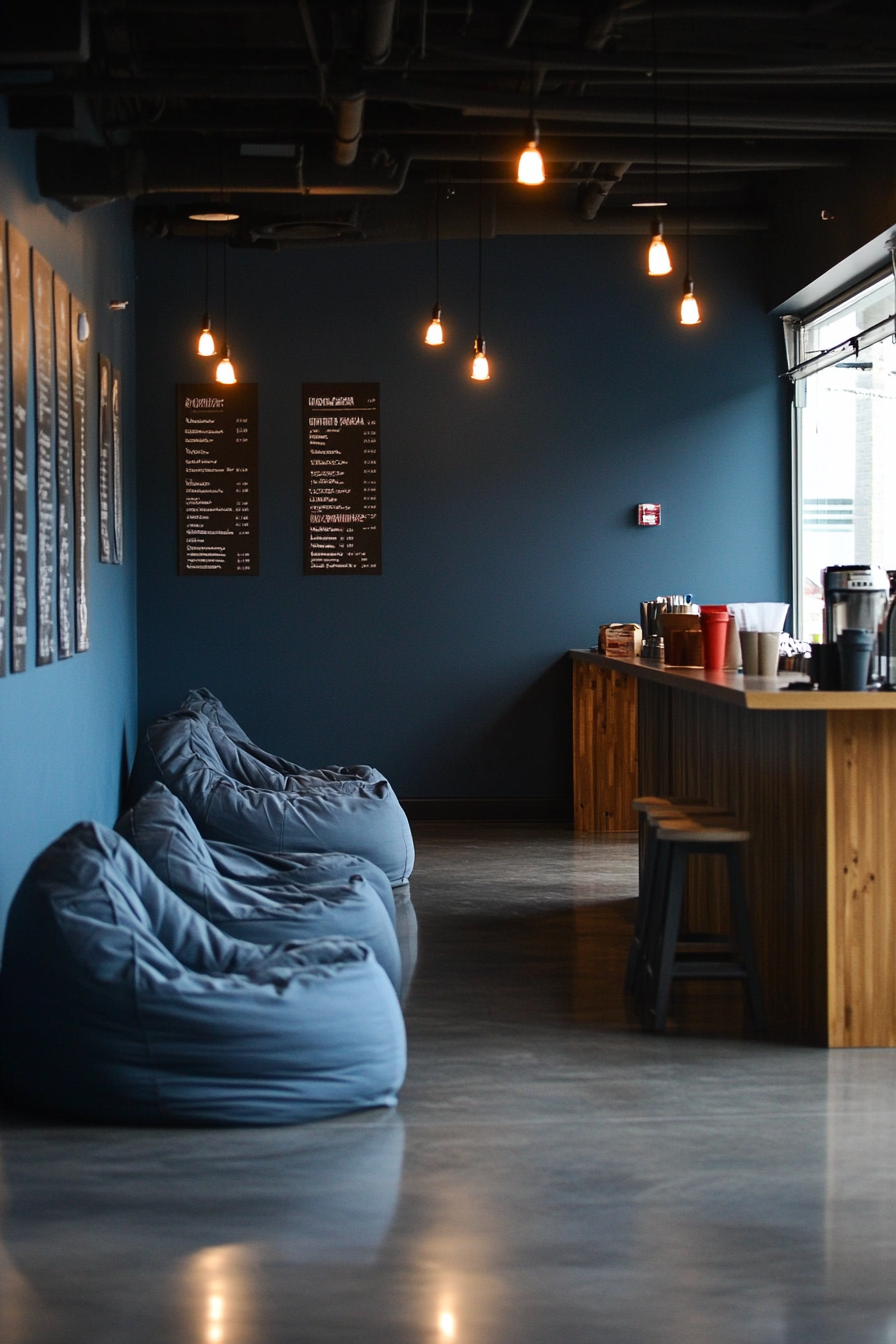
(605, 748)
(769, 769)
(861, 768)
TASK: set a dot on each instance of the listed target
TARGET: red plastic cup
(714, 624)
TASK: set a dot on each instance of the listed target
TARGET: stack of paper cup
(760, 625)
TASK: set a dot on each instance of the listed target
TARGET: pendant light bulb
(434, 334)
(224, 373)
(658, 262)
(690, 311)
(530, 170)
(206, 344)
(480, 372)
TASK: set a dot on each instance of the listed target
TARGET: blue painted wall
(508, 533)
(65, 728)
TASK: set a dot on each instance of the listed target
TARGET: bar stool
(649, 807)
(663, 957)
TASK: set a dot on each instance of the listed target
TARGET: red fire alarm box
(648, 515)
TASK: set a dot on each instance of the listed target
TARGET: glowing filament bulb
(658, 262)
(206, 344)
(530, 170)
(447, 1325)
(480, 372)
(224, 373)
(690, 311)
(434, 334)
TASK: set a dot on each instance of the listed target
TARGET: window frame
(795, 326)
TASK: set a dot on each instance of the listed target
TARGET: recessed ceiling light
(636, 205)
(214, 216)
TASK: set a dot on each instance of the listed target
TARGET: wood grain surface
(605, 748)
(816, 791)
(861, 798)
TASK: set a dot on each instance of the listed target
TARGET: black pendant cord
(226, 347)
(687, 182)
(656, 110)
(438, 194)
(480, 240)
(206, 272)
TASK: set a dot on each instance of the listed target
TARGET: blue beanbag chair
(235, 798)
(310, 896)
(118, 1003)
(201, 701)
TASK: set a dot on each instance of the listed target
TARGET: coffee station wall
(506, 505)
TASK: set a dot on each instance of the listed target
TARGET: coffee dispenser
(854, 599)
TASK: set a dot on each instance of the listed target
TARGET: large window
(846, 446)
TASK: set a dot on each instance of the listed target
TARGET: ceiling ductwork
(593, 194)
(206, 99)
(378, 30)
(349, 114)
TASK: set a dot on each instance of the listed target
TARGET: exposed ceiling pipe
(592, 197)
(603, 24)
(384, 86)
(308, 26)
(484, 55)
(349, 113)
(378, 30)
(79, 174)
(710, 9)
(516, 23)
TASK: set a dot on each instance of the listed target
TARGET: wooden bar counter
(812, 776)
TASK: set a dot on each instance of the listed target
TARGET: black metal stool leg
(671, 922)
(647, 966)
(645, 889)
(741, 919)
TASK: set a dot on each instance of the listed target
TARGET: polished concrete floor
(552, 1176)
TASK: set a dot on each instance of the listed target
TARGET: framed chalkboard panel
(217, 478)
(19, 261)
(42, 305)
(104, 459)
(4, 453)
(65, 629)
(79, 475)
(117, 478)
(341, 440)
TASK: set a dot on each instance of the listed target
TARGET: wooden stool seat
(652, 809)
(696, 831)
(665, 954)
(646, 803)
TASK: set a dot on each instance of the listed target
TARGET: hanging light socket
(206, 344)
(434, 333)
(658, 261)
(480, 371)
(225, 372)
(530, 170)
(690, 311)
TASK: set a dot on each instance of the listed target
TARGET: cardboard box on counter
(620, 640)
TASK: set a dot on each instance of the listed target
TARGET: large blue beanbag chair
(118, 1003)
(234, 798)
(313, 896)
(201, 701)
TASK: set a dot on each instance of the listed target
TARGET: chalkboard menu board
(19, 264)
(79, 476)
(4, 451)
(64, 510)
(217, 470)
(104, 458)
(45, 473)
(341, 434)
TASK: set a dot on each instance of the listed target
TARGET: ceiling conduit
(595, 192)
